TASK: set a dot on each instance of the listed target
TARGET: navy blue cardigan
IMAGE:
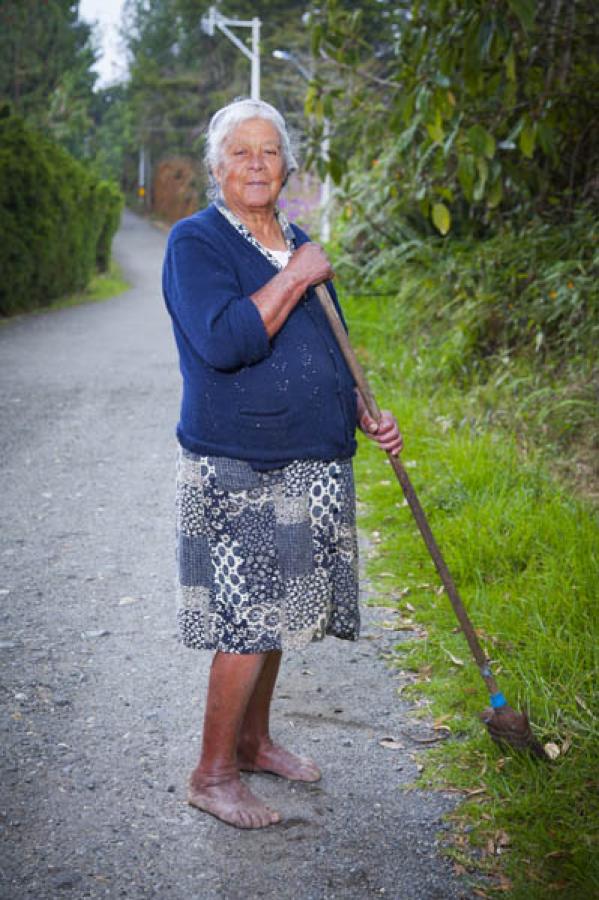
(245, 396)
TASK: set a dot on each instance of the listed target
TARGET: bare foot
(272, 758)
(232, 802)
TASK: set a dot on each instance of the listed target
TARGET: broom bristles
(508, 727)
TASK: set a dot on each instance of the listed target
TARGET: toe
(243, 819)
(257, 819)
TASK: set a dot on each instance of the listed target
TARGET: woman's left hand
(386, 433)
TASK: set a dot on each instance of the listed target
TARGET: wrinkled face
(251, 170)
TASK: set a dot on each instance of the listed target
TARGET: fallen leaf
(566, 745)
(582, 704)
(502, 839)
(430, 740)
(444, 718)
(455, 660)
(390, 743)
(552, 750)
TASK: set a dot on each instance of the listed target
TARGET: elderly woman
(266, 543)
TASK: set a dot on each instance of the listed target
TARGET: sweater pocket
(265, 421)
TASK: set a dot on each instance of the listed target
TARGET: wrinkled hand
(312, 264)
(386, 434)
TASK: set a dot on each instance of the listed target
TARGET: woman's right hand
(312, 264)
(309, 265)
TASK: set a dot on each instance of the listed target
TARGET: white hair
(225, 120)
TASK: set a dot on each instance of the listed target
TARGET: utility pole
(214, 19)
(142, 172)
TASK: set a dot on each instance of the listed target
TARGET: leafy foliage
(459, 113)
(56, 219)
(46, 59)
(534, 291)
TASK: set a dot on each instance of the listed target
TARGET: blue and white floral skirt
(266, 560)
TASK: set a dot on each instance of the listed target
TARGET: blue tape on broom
(498, 700)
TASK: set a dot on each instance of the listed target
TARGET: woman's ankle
(249, 745)
(204, 776)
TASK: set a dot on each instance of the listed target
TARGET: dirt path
(102, 708)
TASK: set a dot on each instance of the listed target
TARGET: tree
(46, 59)
(465, 112)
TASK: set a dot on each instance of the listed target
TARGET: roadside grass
(102, 286)
(525, 555)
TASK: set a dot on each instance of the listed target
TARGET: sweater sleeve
(203, 296)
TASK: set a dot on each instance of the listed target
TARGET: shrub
(57, 220)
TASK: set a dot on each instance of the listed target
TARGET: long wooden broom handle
(402, 476)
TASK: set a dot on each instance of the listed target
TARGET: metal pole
(326, 184)
(141, 175)
(325, 193)
(255, 93)
(213, 19)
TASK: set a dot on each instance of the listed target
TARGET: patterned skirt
(266, 560)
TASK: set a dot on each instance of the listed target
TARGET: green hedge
(57, 220)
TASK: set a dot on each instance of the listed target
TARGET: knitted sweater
(244, 396)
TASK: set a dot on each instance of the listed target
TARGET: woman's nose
(257, 160)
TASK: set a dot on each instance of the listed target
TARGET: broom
(506, 726)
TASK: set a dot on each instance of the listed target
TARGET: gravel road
(102, 707)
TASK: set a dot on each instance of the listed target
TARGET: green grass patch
(102, 286)
(525, 555)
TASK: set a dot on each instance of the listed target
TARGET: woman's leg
(256, 750)
(214, 784)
